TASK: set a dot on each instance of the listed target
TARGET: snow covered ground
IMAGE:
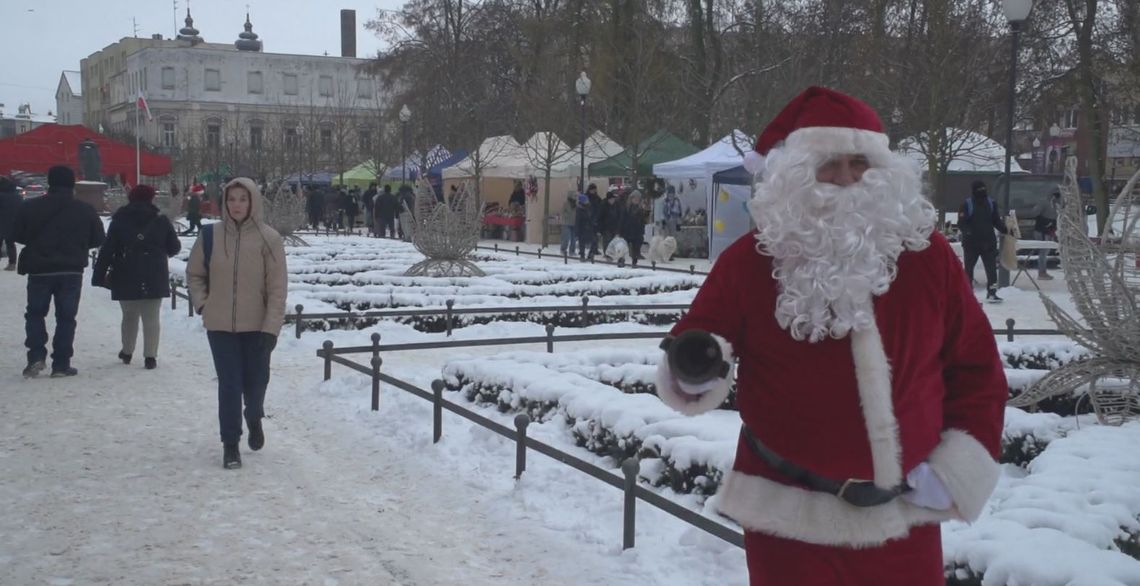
(115, 476)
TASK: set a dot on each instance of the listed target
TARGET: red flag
(141, 103)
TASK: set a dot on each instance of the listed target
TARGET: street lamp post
(583, 87)
(1016, 11)
(1036, 149)
(405, 116)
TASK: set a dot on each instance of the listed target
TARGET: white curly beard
(834, 248)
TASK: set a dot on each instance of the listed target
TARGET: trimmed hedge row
(435, 324)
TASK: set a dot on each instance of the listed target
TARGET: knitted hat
(978, 187)
(824, 121)
(141, 192)
(61, 176)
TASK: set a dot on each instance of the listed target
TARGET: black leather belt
(861, 493)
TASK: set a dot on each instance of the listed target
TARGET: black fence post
(565, 258)
(1009, 329)
(630, 467)
(437, 411)
(328, 347)
(539, 252)
(173, 294)
(585, 304)
(297, 327)
(550, 338)
(522, 420)
(653, 265)
(450, 304)
(692, 269)
(496, 247)
(376, 362)
(516, 251)
(189, 304)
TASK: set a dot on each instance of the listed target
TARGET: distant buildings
(23, 121)
(69, 99)
(233, 108)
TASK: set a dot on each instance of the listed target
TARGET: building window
(168, 134)
(291, 138)
(167, 78)
(326, 86)
(255, 134)
(290, 84)
(326, 139)
(1069, 118)
(213, 135)
(213, 80)
(254, 81)
(364, 89)
(365, 140)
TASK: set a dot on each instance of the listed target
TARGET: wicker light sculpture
(445, 233)
(285, 212)
(1104, 281)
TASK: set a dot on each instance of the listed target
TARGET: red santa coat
(926, 385)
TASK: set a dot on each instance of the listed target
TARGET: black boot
(232, 458)
(126, 358)
(34, 369)
(256, 434)
(992, 296)
(64, 372)
(150, 363)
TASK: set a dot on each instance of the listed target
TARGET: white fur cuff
(703, 398)
(839, 141)
(967, 470)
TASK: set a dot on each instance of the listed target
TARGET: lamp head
(582, 85)
(405, 113)
(1016, 11)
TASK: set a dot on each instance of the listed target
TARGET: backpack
(970, 206)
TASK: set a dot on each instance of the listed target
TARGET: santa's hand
(927, 489)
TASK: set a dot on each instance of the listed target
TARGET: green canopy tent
(662, 147)
(359, 176)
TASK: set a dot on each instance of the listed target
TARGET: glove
(269, 340)
(927, 489)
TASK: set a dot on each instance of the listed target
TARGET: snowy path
(115, 477)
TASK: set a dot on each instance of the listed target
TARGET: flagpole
(138, 157)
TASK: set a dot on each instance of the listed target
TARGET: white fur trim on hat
(763, 505)
(837, 140)
(967, 469)
(753, 162)
(873, 376)
(703, 398)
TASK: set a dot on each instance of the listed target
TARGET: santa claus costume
(863, 356)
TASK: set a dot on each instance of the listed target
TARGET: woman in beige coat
(238, 283)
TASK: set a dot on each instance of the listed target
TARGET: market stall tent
(659, 148)
(545, 149)
(360, 176)
(39, 149)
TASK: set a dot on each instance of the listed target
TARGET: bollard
(540, 252)
(585, 303)
(630, 468)
(653, 265)
(376, 362)
(516, 251)
(1009, 329)
(328, 347)
(692, 269)
(173, 294)
(496, 247)
(550, 338)
(521, 421)
(437, 411)
(300, 309)
(450, 304)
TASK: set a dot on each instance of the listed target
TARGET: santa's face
(835, 226)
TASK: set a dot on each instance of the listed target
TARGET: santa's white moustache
(833, 248)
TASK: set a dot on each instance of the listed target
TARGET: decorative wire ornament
(285, 212)
(445, 233)
(1103, 277)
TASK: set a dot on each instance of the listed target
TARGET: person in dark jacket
(369, 199)
(315, 206)
(978, 218)
(596, 207)
(387, 208)
(586, 225)
(609, 219)
(132, 264)
(9, 203)
(194, 213)
(632, 225)
(518, 196)
(56, 230)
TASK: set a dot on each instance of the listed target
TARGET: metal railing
(627, 482)
(692, 270)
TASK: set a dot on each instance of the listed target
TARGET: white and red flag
(141, 103)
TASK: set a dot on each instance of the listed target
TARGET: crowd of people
(590, 223)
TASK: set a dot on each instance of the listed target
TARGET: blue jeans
(64, 289)
(569, 240)
(1042, 254)
(241, 361)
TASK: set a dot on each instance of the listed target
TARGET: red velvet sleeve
(976, 389)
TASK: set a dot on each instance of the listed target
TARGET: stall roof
(977, 153)
(722, 154)
(498, 156)
(659, 148)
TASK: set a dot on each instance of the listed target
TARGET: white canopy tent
(545, 148)
(973, 152)
(497, 156)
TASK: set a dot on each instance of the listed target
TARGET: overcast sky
(41, 38)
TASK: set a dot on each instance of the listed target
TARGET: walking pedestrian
(238, 284)
(978, 218)
(9, 203)
(387, 207)
(56, 230)
(132, 263)
(194, 213)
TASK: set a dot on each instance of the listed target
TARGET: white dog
(662, 249)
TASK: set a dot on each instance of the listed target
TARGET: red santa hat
(824, 121)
